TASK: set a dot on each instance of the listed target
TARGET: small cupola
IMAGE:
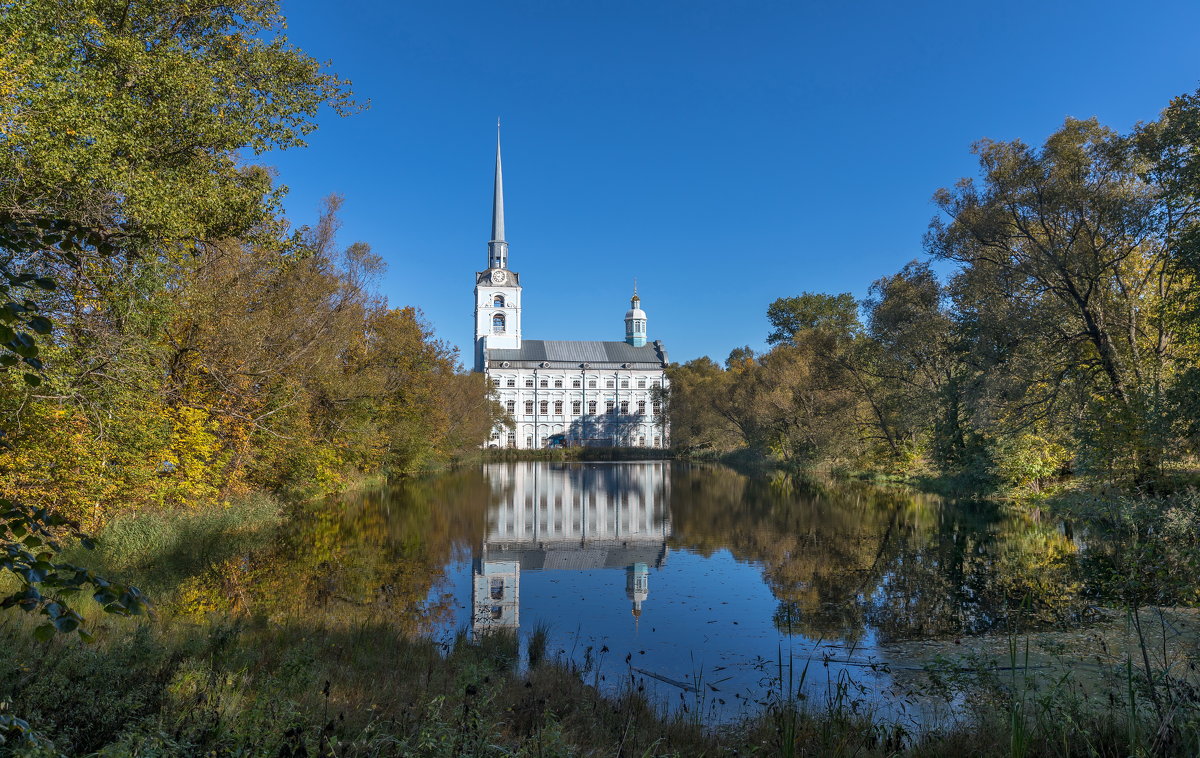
(635, 321)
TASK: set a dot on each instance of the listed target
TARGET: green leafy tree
(834, 314)
(913, 371)
(1070, 235)
(139, 114)
(696, 400)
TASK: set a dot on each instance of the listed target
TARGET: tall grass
(159, 549)
(248, 687)
(535, 652)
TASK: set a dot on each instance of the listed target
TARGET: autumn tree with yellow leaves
(168, 340)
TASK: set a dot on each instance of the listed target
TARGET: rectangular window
(624, 407)
(512, 439)
(657, 409)
(576, 384)
(512, 382)
(591, 384)
(558, 384)
(624, 384)
(496, 382)
(511, 406)
(545, 383)
(641, 384)
(544, 407)
(610, 407)
(529, 381)
(529, 441)
(528, 407)
(591, 407)
(557, 407)
(641, 407)
(609, 384)
(576, 406)
(657, 385)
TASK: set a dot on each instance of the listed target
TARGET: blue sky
(724, 153)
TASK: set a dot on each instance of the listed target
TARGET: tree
(1070, 234)
(136, 114)
(692, 395)
(804, 406)
(913, 371)
(835, 314)
(1168, 151)
(121, 125)
(739, 356)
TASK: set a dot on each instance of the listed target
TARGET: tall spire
(497, 247)
(498, 194)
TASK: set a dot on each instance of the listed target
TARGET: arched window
(498, 324)
(498, 301)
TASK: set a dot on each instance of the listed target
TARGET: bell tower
(497, 289)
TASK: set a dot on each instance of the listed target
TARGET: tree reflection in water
(375, 555)
(840, 559)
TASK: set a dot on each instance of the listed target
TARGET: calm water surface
(696, 582)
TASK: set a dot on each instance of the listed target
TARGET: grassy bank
(275, 640)
(250, 688)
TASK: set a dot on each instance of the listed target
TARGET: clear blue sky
(724, 153)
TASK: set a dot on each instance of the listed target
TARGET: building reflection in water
(570, 517)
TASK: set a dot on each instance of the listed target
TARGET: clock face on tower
(498, 276)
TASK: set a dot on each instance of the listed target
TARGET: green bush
(1028, 460)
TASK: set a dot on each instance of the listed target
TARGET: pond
(698, 584)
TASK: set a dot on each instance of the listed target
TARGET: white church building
(563, 392)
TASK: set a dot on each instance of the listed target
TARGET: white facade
(563, 392)
(585, 406)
